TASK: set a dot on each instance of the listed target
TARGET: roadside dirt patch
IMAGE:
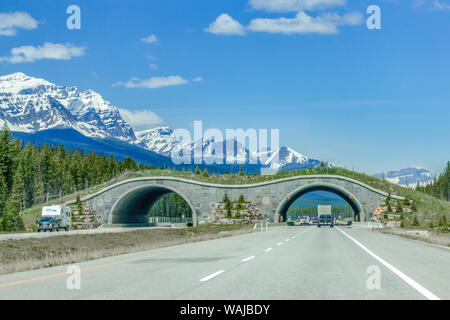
(27, 254)
(439, 238)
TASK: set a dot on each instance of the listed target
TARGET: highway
(282, 263)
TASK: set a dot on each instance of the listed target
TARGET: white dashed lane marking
(215, 274)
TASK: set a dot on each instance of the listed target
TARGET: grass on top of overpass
(430, 209)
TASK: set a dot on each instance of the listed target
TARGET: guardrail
(170, 220)
(262, 223)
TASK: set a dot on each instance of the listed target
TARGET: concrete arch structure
(357, 207)
(115, 203)
(133, 206)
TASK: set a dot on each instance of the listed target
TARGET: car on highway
(325, 220)
(304, 220)
(47, 224)
(315, 220)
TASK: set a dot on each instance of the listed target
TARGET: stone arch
(338, 190)
(132, 208)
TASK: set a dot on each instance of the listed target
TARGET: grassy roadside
(430, 236)
(27, 254)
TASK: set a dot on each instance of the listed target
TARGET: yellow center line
(54, 275)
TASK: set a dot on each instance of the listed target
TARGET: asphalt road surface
(282, 263)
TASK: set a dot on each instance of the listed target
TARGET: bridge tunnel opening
(305, 202)
(152, 205)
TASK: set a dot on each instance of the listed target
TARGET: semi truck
(54, 218)
(324, 216)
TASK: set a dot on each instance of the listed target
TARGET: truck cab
(325, 219)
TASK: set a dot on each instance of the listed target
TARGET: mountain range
(408, 176)
(38, 110)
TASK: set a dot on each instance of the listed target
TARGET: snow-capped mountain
(30, 104)
(408, 176)
(285, 158)
(160, 140)
(163, 141)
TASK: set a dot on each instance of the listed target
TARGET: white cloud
(10, 22)
(153, 66)
(48, 50)
(140, 119)
(303, 23)
(150, 39)
(294, 5)
(226, 25)
(152, 58)
(154, 82)
(432, 4)
(198, 79)
(441, 5)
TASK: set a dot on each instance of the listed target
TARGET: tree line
(170, 205)
(439, 187)
(343, 212)
(31, 174)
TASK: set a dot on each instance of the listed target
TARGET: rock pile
(86, 220)
(247, 213)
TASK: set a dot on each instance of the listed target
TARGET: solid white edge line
(425, 292)
(287, 239)
(248, 259)
(268, 249)
(279, 243)
(215, 274)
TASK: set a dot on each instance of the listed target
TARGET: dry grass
(434, 237)
(28, 254)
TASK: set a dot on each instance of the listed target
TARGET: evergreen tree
(413, 206)
(12, 221)
(79, 205)
(205, 173)
(416, 221)
(399, 206)
(6, 163)
(443, 221)
(197, 171)
(3, 195)
(241, 171)
(225, 198)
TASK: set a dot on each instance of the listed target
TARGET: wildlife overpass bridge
(129, 201)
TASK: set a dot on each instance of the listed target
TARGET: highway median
(28, 254)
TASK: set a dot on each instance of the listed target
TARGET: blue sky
(371, 100)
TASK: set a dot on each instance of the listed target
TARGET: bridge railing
(161, 219)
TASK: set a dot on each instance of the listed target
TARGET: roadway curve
(283, 263)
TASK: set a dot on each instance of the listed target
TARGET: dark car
(325, 220)
(47, 223)
(315, 220)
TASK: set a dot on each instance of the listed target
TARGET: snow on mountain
(160, 140)
(163, 141)
(29, 104)
(408, 176)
